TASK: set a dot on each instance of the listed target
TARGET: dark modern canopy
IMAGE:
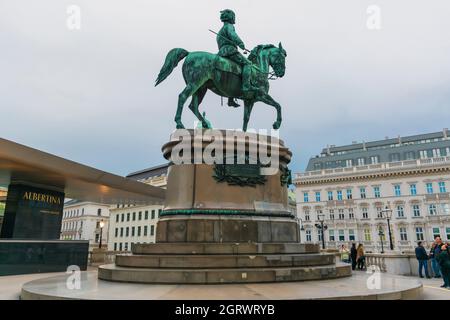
(22, 164)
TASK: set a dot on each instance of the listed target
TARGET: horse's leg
(269, 100)
(248, 106)
(197, 98)
(182, 97)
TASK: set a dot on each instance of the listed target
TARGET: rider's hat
(227, 15)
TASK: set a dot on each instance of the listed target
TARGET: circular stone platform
(350, 288)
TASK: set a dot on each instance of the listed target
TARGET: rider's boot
(233, 103)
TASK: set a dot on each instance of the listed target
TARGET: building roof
(22, 164)
(381, 151)
(156, 171)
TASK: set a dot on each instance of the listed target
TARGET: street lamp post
(381, 234)
(102, 224)
(322, 228)
(388, 214)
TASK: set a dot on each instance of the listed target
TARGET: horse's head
(275, 57)
(277, 60)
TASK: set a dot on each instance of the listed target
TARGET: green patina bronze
(239, 174)
(228, 73)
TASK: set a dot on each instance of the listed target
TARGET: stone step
(224, 248)
(112, 272)
(224, 261)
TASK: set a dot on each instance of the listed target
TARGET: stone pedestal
(226, 221)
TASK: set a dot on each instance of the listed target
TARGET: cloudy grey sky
(88, 94)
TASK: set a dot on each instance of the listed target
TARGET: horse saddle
(227, 65)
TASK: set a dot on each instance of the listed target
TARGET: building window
(367, 235)
(351, 215)
(423, 154)
(348, 163)
(159, 212)
(429, 188)
(351, 235)
(394, 157)
(139, 231)
(403, 234)
(397, 190)
(317, 196)
(115, 246)
(308, 235)
(120, 246)
(305, 197)
(122, 217)
(140, 215)
(127, 232)
(341, 235)
(331, 214)
(400, 212)
(442, 187)
(365, 213)
(339, 194)
(117, 217)
(341, 214)
(432, 209)
(362, 192)
(116, 232)
(145, 230)
(447, 231)
(376, 192)
(128, 216)
(152, 230)
(319, 235)
(331, 235)
(121, 232)
(412, 189)
(132, 231)
(410, 155)
(97, 237)
(99, 212)
(330, 195)
(126, 246)
(146, 215)
(444, 208)
(134, 216)
(436, 153)
(153, 214)
(416, 210)
(379, 212)
(349, 194)
(436, 232)
(374, 159)
(361, 161)
(306, 215)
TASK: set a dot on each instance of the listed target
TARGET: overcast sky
(88, 94)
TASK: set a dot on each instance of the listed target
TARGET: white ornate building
(137, 224)
(82, 221)
(352, 188)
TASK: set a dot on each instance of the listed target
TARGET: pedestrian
(345, 257)
(353, 254)
(444, 262)
(435, 250)
(360, 257)
(422, 257)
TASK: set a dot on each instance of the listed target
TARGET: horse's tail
(173, 57)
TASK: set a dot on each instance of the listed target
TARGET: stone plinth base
(221, 228)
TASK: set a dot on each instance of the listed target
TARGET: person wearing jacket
(422, 257)
(360, 257)
(353, 255)
(444, 262)
(434, 252)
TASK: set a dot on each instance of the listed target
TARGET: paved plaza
(97, 289)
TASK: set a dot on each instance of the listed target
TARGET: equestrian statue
(228, 74)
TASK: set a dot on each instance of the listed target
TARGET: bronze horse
(203, 71)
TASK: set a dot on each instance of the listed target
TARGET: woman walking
(360, 257)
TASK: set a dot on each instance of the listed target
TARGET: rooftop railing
(387, 166)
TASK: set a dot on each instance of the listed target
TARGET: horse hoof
(180, 126)
(276, 125)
